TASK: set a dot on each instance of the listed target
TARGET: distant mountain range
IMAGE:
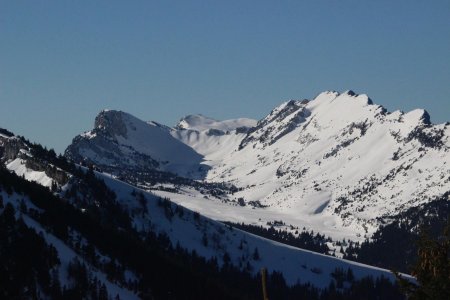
(339, 163)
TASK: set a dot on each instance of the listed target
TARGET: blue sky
(61, 62)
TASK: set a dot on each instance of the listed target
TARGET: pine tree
(256, 254)
(432, 269)
(103, 292)
(205, 240)
(54, 186)
(9, 215)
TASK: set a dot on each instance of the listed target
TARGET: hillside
(91, 219)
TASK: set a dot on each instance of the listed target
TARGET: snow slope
(190, 232)
(66, 254)
(18, 167)
(211, 138)
(15, 154)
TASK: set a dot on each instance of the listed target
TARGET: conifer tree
(432, 269)
(256, 254)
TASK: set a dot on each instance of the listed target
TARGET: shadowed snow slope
(213, 239)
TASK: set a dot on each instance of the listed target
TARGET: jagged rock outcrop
(10, 147)
(17, 153)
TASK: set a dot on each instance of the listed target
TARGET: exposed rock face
(277, 124)
(13, 148)
(38, 165)
(10, 148)
(111, 123)
(104, 151)
(215, 132)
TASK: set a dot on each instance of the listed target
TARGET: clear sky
(61, 62)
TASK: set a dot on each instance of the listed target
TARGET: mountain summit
(201, 123)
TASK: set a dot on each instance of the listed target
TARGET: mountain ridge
(337, 163)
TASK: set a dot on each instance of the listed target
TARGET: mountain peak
(195, 122)
(352, 96)
(112, 122)
(350, 93)
(417, 116)
(329, 96)
(200, 122)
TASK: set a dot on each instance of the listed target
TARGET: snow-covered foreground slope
(210, 239)
(187, 229)
(65, 253)
(337, 164)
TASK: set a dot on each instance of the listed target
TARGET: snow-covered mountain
(122, 141)
(338, 163)
(211, 138)
(202, 123)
